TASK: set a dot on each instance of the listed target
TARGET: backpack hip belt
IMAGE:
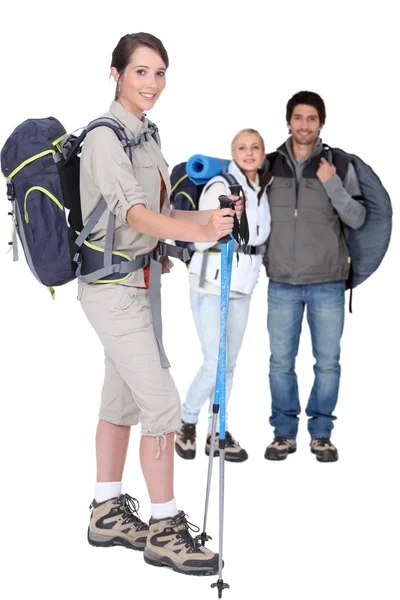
(250, 250)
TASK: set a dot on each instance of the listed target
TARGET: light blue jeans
(206, 315)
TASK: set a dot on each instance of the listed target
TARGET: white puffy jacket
(246, 272)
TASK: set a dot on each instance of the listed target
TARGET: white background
(297, 529)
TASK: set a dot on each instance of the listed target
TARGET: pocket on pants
(131, 310)
(126, 297)
(116, 310)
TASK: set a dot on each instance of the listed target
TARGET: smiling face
(248, 153)
(305, 125)
(142, 81)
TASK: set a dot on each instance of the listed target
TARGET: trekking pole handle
(226, 202)
(236, 189)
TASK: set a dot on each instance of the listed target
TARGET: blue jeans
(325, 315)
(206, 315)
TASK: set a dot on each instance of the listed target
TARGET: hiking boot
(170, 544)
(324, 450)
(185, 443)
(233, 451)
(116, 522)
(280, 448)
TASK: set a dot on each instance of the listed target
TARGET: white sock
(107, 489)
(164, 510)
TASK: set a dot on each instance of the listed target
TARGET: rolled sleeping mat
(201, 169)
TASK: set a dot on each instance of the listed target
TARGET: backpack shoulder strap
(154, 132)
(269, 161)
(229, 178)
(101, 122)
(233, 184)
(102, 206)
(339, 158)
(120, 133)
(216, 179)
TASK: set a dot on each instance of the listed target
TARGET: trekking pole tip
(221, 586)
(203, 538)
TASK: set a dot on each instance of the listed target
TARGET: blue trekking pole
(220, 394)
(219, 404)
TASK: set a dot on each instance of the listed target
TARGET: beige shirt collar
(128, 120)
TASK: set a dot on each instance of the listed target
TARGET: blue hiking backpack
(367, 245)
(188, 180)
(40, 163)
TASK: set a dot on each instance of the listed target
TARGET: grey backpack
(367, 245)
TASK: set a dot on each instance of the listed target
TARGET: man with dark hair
(308, 264)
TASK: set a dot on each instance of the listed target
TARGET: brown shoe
(185, 443)
(170, 544)
(280, 448)
(233, 451)
(116, 522)
(324, 450)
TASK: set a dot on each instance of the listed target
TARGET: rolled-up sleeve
(110, 169)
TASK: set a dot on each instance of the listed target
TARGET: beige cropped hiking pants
(137, 389)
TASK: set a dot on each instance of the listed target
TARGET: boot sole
(185, 454)
(323, 457)
(275, 455)
(102, 541)
(153, 559)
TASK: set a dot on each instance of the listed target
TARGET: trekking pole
(225, 202)
(226, 269)
(227, 247)
(204, 537)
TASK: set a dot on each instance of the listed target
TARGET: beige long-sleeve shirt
(107, 172)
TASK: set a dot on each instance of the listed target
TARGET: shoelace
(193, 544)
(189, 432)
(230, 440)
(130, 507)
(280, 439)
(323, 441)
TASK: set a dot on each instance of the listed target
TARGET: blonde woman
(248, 154)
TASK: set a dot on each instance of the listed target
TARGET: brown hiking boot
(233, 450)
(280, 448)
(185, 443)
(324, 450)
(170, 544)
(116, 522)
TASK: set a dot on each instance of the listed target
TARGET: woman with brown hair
(126, 314)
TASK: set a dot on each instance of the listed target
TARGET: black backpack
(185, 195)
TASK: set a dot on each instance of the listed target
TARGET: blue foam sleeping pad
(201, 169)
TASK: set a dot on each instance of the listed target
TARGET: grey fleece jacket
(351, 212)
(310, 220)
